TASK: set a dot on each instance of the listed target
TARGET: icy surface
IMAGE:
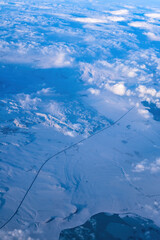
(67, 70)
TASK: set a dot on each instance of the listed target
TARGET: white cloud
(132, 72)
(90, 20)
(52, 56)
(44, 91)
(61, 60)
(129, 93)
(144, 113)
(15, 234)
(58, 60)
(141, 24)
(120, 12)
(145, 165)
(140, 167)
(27, 102)
(152, 36)
(158, 94)
(94, 91)
(153, 15)
(130, 77)
(143, 90)
(118, 89)
(43, 7)
(116, 19)
(129, 6)
(102, 72)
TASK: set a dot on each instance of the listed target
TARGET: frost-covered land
(67, 70)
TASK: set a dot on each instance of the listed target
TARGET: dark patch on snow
(103, 226)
